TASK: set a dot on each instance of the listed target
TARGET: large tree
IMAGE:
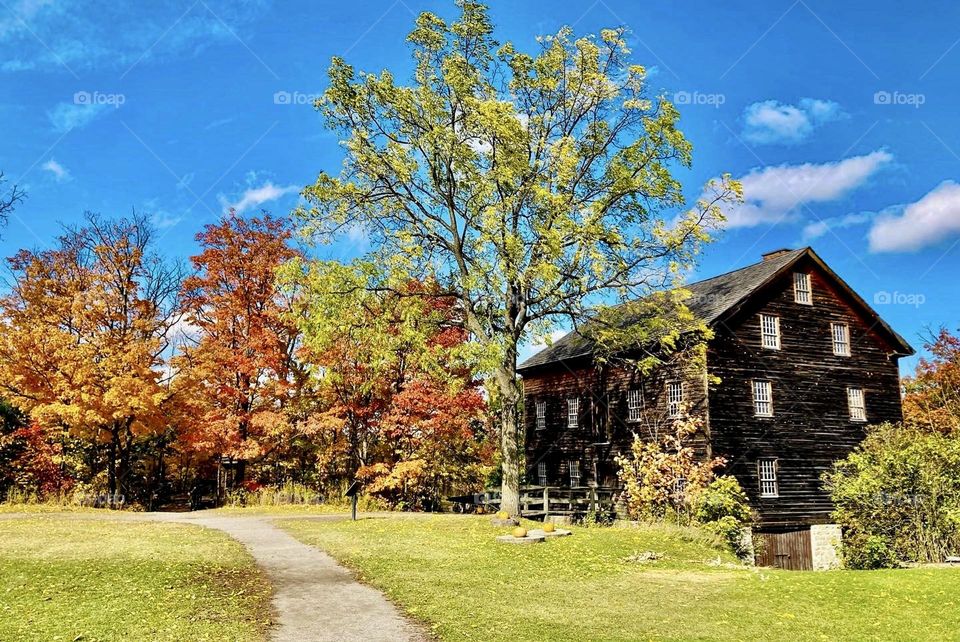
(85, 327)
(241, 367)
(531, 186)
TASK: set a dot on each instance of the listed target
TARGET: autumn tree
(85, 326)
(397, 403)
(932, 400)
(530, 186)
(241, 365)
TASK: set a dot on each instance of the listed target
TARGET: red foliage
(36, 464)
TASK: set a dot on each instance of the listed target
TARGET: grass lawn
(450, 573)
(64, 578)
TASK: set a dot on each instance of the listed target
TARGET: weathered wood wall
(604, 431)
(811, 427)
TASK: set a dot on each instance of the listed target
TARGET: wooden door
(786, 549)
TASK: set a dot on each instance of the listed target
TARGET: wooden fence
(543, 501)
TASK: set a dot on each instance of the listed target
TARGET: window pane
(767, 473)
(574, 467)
(770, 331)
(674, 398)
(634, 405)
(762, 398)
(801, 288)
(542, 473)
(841, 339)
(858, 410)
(541, 415)
(573, 412)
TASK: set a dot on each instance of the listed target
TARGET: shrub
(863, 551)
(660, 475)
(723, 509)
(897, 497)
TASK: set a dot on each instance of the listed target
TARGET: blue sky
(839, 117)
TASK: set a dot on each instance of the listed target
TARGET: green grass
(64, 578)
(449, 572)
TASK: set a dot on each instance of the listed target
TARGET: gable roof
(717, 296)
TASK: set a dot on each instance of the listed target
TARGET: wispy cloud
(43, 34)
(59, 172)
(220, 122)
(254, 197)
(770, 122)
(779, 193)
(66, 116)
(813, 231)
(930, 220)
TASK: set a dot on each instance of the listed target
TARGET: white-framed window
(574, 466)
(858, 409)
(802, 292)
(573, 412)
(542, 473)
(767, 472)
(841, 339)
(634, 405)
(762, 399)
(770, 331)
(674, 398)
(541, 415)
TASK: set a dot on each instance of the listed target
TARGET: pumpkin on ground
(519, 531)
(549, 527)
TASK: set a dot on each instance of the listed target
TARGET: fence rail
(543, 501)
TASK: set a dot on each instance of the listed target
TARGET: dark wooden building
(803, 364)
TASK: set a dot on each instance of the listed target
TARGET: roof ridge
(745, 267)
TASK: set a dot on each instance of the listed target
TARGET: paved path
(314, 597)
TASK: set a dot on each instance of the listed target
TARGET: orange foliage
(240, 371)
(932, 400)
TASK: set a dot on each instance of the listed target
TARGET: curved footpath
(315, 598)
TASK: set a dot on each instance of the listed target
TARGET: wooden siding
(604, 431)
(810, 427)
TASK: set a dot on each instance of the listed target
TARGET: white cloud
(59, 172)
(256, 196)
(67, 116)
(770, 122)
(926, 222)
(813, 231)
(779, 193)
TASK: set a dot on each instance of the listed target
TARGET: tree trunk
(511, 446)
(510, 453)
(112, 463)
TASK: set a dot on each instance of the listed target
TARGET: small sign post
(353, 492)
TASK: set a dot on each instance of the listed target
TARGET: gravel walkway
(315, 598)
